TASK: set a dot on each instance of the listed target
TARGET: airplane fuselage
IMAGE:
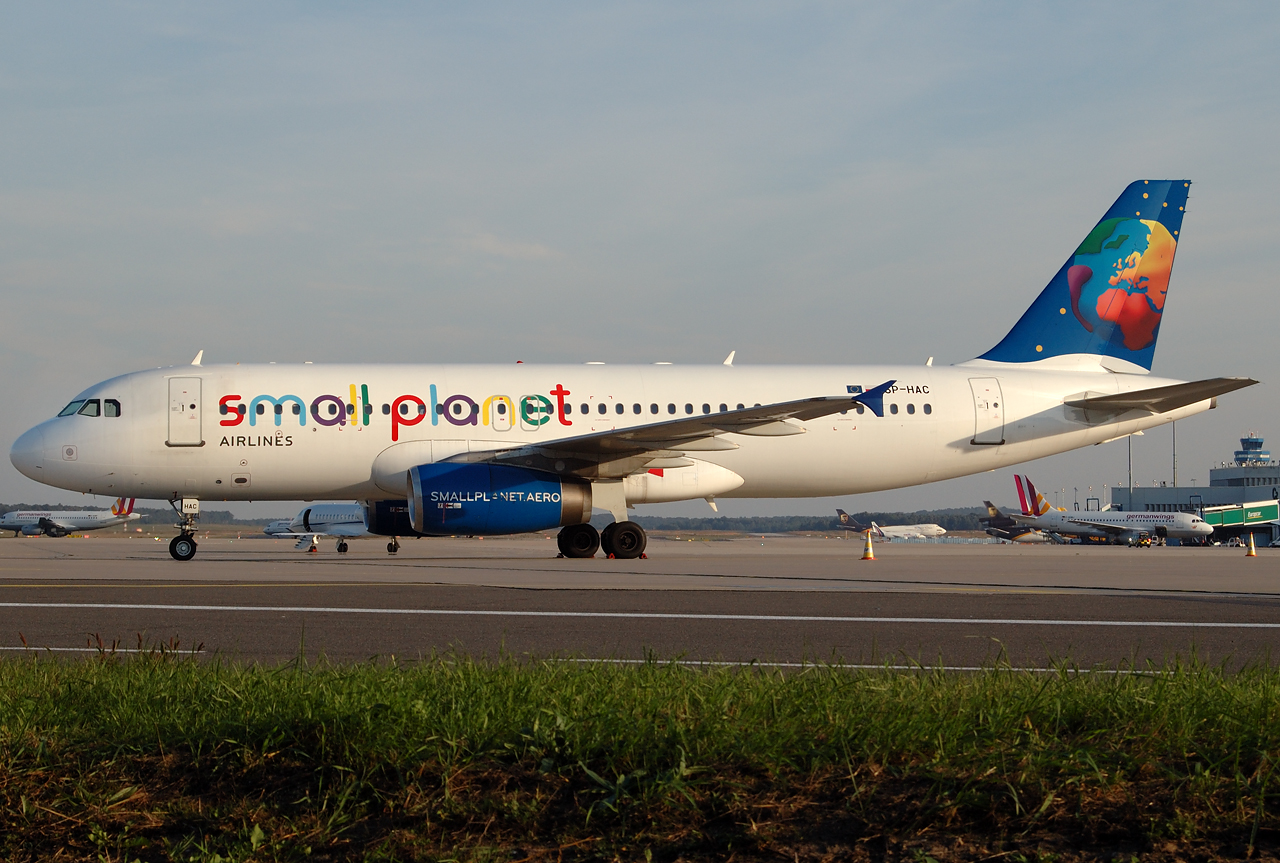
(350, 431)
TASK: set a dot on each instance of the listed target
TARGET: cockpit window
(71, 408)
(92, 407)
(110, 408)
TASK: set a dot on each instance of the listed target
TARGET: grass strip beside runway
(160, 757)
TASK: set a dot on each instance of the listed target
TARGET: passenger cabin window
(262, 409)
(404, 409)
(671, 408)
(688, 408)
(653, 409)
(723, 407)
(893, 409)
(71, 408)
(386, 409)
(279, 410)
(586, 409)
(619, 408)
(635, 408)
(706, 409)
(110, 408)
(568, 408)
(604, 409)
(740, 406)
(928, 408)
(502, 409)
(911, 409)
(859, 408)
(92, 408)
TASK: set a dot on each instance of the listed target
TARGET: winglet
(728, 361)
(873, 398)
(199, 357)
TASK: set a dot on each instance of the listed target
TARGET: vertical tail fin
(1108, 298)
(123, 507)
(1040, 505)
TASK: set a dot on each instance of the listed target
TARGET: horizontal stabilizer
(1158, 400)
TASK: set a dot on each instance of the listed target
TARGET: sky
(628, 182)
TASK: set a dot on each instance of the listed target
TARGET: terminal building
(1243, 496)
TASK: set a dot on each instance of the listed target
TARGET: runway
(767, 600)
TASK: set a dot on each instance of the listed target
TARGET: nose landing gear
(394, 545)
(183, 546)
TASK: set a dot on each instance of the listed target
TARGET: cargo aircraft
(34, 522)
(500, 449)
(1004, 527)
(1113, 525)
(890, 532)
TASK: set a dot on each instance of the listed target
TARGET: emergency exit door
(988, 409)
(184, 412)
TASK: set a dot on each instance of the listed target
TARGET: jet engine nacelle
(32, 530)
(491, 499)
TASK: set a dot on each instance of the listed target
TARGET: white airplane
(33, 522)
(1117, 526)
(344, 521)
(500, 449)
(893, 531)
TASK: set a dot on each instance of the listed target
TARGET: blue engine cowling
(491, 499)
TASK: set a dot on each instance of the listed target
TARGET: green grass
(161, 757)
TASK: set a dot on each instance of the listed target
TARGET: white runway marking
(641, 615)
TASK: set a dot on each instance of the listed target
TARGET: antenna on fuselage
(199, 357)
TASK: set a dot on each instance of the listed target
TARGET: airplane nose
(27, 453)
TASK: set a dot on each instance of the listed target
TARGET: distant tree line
(156, 515)
(951, 519)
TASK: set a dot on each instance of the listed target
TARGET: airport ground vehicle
(493, 449)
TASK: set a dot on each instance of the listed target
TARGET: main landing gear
(625, 540)
(342, 546)
(183, 546)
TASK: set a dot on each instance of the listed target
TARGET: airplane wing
(1158, 400)
(1113, 529)
(621, 452)
(305, 540)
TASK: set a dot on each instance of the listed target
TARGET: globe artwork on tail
(1118, 280)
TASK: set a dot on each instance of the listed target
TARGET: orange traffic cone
(1253, 550)
(867, 552)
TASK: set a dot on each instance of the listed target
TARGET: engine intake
(491, 499)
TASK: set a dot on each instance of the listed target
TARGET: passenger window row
(92, 408)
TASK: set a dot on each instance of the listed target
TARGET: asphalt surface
(764, 599)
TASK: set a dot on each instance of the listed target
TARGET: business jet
(442, 450)
(890, 532)
(33, 522)
(344, 521)
(1001, 526)
(1117, 526)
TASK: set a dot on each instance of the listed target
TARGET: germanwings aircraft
(33, 522)
(893, 531)
(501, 449)
(1117, 526)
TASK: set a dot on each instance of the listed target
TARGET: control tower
(1251, 453)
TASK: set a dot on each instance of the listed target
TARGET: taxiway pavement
(782, 600)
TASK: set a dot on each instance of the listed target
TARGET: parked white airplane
(1117, 526)
(472, 449)
(893, 531)
(33, 522)
(342, 520)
